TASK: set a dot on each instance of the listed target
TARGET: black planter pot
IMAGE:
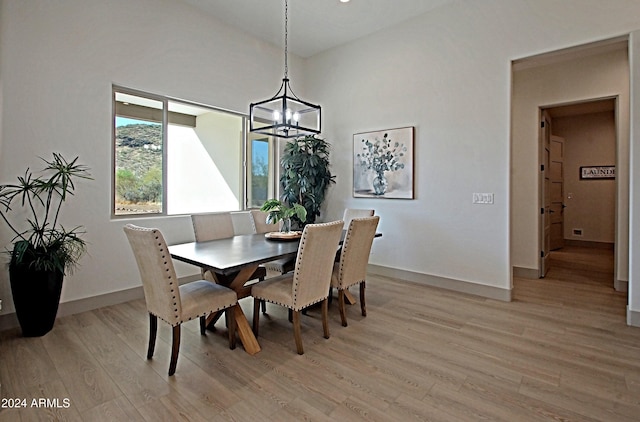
(36, 295)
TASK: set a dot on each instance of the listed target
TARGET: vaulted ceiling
(314, 25)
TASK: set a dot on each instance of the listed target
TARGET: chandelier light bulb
(276, 115)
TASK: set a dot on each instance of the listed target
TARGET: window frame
(165, 100)
(273, 164)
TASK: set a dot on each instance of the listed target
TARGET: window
(260, 171)
(174, 157)
(138, 155)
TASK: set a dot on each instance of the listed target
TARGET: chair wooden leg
(212, 319)
(341, 306)
(363, 306)
(153, 330)
(296, 332)
(263, 302)
(203, 325)
(231, 325)
(175, 349)
(325, 317)
(256, 316)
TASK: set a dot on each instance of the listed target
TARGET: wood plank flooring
(560, 351)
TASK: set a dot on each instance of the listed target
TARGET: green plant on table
(279, 211)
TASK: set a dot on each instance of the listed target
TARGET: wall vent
(577, 232)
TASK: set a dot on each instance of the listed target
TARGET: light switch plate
(483, 198)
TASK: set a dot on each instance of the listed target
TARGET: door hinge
(541, 254)
(542, 123)
(541, 167)
(542, 211)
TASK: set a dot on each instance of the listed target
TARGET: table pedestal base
(237, 283)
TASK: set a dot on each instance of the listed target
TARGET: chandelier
(285, 115)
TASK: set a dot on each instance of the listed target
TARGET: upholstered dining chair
(351, 213)
(351, 269)
(308, 283)
(169, 301)
(213, 226)
(260, 225)
(242, 222)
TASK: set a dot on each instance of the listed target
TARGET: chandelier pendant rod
(285, 115)
(286, 42)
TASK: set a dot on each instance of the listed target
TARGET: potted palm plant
(43, 250)
(306, 175)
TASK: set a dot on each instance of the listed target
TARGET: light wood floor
(560, 351)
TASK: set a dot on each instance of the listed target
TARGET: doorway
(578, 209)
(567, 77)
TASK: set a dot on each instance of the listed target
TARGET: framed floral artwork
(383, 164)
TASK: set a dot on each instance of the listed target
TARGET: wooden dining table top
(231, 254)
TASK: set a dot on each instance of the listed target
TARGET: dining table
(233, 261)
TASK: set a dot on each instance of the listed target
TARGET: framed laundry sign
(598, 172)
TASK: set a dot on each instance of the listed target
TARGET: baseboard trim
(589, 244)
(531, 273)
(621, 286)
(10, 320)
(443, 283)
(633, 318)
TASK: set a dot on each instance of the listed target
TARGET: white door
(556, 178)
(545, 193)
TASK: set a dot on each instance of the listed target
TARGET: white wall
(447, 73)
(203, 172)
(58, 63)
(589, 140)
(428, 74)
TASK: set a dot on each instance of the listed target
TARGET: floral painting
(383, 164)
